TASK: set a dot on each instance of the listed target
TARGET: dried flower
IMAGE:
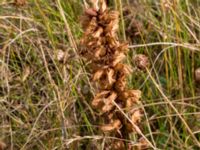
(197, 74)
(91, 12)
(114, 125)
(141, 61)
(20, 2)
(136, 116)
(59, 55)
(143, 144)
(116, 145)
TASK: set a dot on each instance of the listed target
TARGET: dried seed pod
(106, 77)
(136, 116)
(129, 103)
(143, 144)
(120, 84)
(91, 12)
(98, 74)
(20, 2)
(104, 101)
(98, 100)
(116, 145)
(90, 26)
(123, 48)
(141, 61)
(197, 74)
(99, 52)
(103, 6)
(117, 58)
(135, 94)
(114, 125)
(109, 102)
(110, 75)
(122, 69)
(112, 41)
(97, 33)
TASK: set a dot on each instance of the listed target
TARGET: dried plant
(100, 46)
(197, 74)
(20, 2)
(141, 61)
(2, 145)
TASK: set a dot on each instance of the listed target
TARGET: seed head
(141, 61)
(197, 74)
(20, 2)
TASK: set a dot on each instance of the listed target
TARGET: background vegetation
(45, 90)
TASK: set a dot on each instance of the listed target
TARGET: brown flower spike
(100, 46)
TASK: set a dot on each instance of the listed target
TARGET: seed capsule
(91, 12)
(197, 74)
(141, 61)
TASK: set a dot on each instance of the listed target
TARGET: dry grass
(45, 89)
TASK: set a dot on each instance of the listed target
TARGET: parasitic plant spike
(101, 47)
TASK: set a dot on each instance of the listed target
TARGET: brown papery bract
(20, 2)
(101, 47)
(2, 145)
(197, 74)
